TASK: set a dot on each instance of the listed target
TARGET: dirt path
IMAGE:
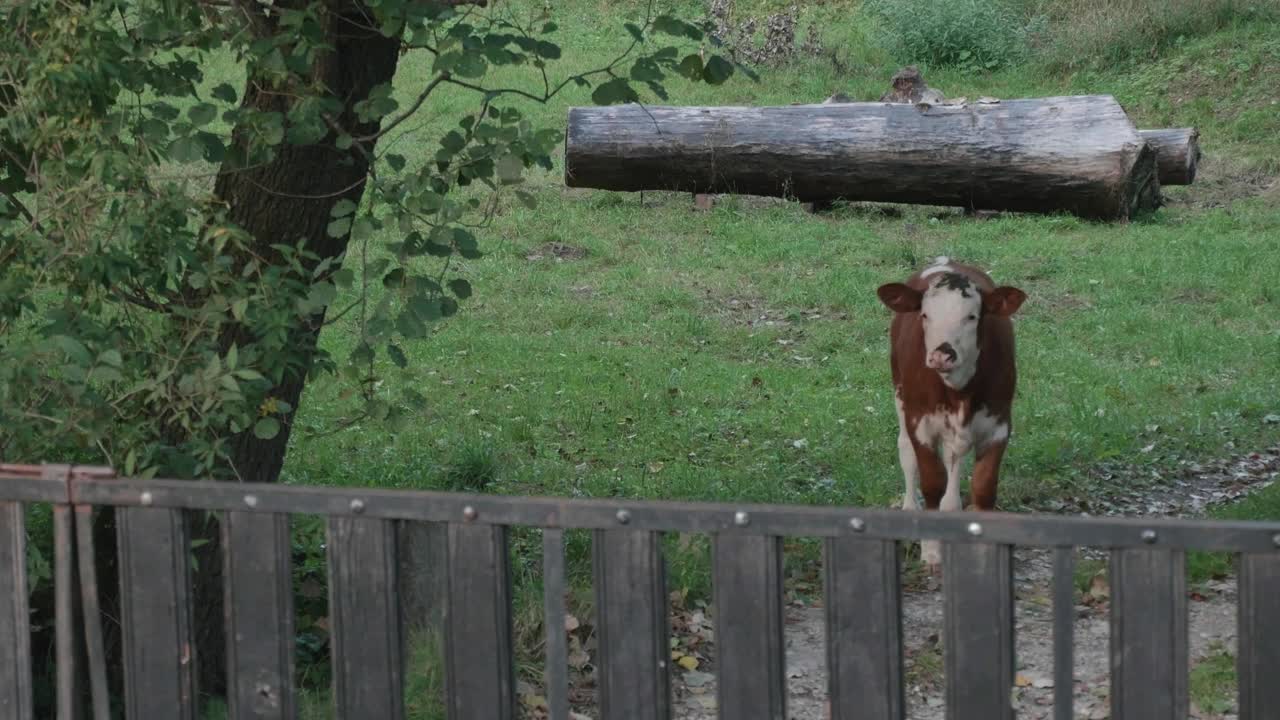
(1212, 610)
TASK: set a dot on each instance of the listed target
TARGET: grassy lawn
(741, 353)
(629, 346)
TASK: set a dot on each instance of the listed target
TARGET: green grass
(1213, 682)
(1263, 505)
(685, 354)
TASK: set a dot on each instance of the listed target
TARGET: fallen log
(1177, 153)
(1079, 154)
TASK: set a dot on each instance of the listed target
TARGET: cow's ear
(1003, 301)
(899, 297)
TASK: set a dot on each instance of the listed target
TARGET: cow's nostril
(946, 349)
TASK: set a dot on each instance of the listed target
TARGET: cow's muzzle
(942, 358)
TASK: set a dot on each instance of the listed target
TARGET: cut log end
(1177, 153)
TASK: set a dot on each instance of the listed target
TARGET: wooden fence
(1149, 615)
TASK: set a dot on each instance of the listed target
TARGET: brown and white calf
(952, 359)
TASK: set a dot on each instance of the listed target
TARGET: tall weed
(976, 34)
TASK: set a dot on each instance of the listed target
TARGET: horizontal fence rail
(861, 578)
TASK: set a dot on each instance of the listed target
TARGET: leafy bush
(976, 34)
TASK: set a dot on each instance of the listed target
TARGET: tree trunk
(279, 202)
(1079, 154)
(1177, 153)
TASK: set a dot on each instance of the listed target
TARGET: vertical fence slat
(66, 616)
(155, 609)
(979, 620)
(95, 652)
(364, 618)
(553, 584)
(478, 645)
(259, 615)
(1064, 615)
(631, 608)
(15, 623)
(747, 584)
(1149, 618)
(1258, 662)
(863, 596)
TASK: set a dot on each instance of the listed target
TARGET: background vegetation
(629, 346)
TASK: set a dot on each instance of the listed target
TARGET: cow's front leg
(953, 455)
(986, 476)
(933, 485)
(947, 485)
(907, 459)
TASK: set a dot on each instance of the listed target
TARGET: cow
(952, 359)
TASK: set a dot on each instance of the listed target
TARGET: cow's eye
(973, 317)
(924, 316)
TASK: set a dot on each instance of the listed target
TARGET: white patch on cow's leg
(907, 459)
(954, 448)
(931, 554)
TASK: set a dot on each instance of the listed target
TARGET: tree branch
(422, 97)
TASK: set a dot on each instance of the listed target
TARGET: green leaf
(527, 199)
(214, 150)
(425, 308)
(202, 114)
(362, 228)
(397, 355)
(75, 349)
(461, 288)
(342, 208)
(717, 70)
(233, 357)
(446, 62)
(549, 28)
(225, 93)
(471, 65)
(363, 354)
(186, 150)
(322, 294)
(677, 27)
(393, 279)
(617, 90)
(344, 277)
(155, 131)
(343, 142)
(339, 228)
(266, 428)
(453, 142)
(691, 67)
(510, 168)
(635, 31)
(547, 50)
(645, 69)
(395, 161)
(111, 357)
(238, 308)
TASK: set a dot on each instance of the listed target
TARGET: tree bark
(284, 200)
(1177, 153)
(1079, 154)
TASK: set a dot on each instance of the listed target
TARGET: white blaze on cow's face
(949, 311)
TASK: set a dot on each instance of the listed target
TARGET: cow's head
(951, 312)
